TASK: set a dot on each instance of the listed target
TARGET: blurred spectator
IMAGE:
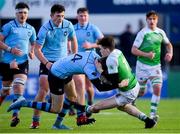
(141, 25)
(126, 40)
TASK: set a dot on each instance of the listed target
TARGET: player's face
(22, 15)
(104, 51)
(152, 21)
(57, 18)
(83, 17)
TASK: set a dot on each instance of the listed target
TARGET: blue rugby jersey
(54, 39)
(17, 35)
(88, 32)
(79, 63)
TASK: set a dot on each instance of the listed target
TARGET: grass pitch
(107, 121)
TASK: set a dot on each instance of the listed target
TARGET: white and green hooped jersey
(117, 63)
(148, 40)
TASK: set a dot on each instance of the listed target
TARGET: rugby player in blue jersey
(51, 44)
(16, 36)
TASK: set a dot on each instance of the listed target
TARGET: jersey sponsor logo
(65, 33)
(41, 70)
(29, 33)
(88, 34)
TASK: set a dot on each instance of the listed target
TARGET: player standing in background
(119, 73)
(51, 44)
(16, 35)
(87, 35)
(147, 48)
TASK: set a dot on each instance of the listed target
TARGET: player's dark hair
(82, 9)
(21, 5)
(107, 42)
(57, 8)
(151, 13)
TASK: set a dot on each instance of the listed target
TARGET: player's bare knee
(72, 98)
(121, 108)
(157, 90)
(55, 109)
(42, 93)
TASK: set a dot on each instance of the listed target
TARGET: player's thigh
(79, 81)
(43, 82)
(70, 90)
(88, 84)
(141, 74)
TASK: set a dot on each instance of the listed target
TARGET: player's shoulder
(115, 53)
(9, 24)
(159, 30)
(144, 30)
(47, 26)
(29, 26)
(67, 23)
(113, 57)
(92, 26)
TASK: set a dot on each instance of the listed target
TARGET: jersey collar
(85, 26)
(18, 24)
(53, 26)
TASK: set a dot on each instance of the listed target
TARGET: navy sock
(80, 109)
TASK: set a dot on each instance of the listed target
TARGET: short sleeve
(41, 35)
(98, 34)
(112, 64)
(165, 38)
(71, 31)
(5, 30)
(139, 39)
(33, 36)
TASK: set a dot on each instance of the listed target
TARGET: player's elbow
(133, 50)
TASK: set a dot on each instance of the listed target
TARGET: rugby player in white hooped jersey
(147, 48)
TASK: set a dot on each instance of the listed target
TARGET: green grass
(108, 121)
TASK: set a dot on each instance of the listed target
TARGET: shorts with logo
(43, 70)
(127, 97)
(56, 84)
(7, 73)
(144, 72)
